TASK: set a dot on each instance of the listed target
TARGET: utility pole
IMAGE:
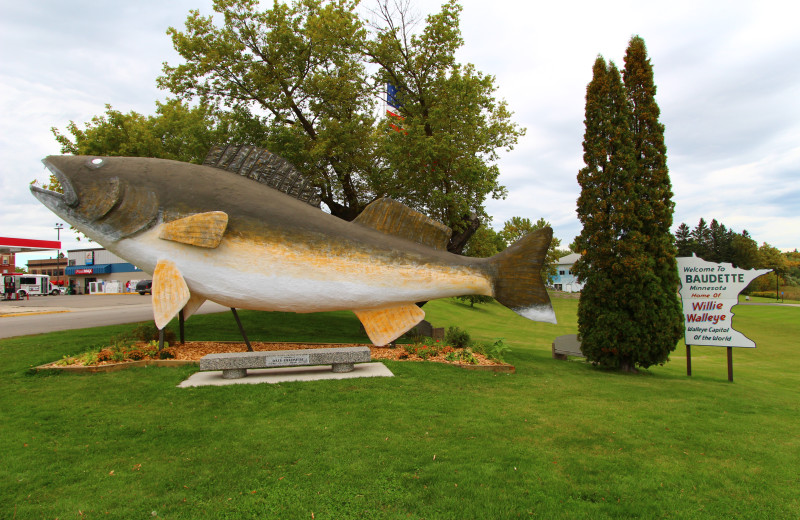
(58, 228)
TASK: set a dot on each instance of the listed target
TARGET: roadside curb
(114, 294)
(32, 313)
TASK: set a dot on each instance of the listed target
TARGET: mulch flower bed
(191, 351)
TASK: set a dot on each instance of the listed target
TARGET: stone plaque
(287, 360)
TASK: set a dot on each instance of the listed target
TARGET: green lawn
(761, 299)
(555, 440)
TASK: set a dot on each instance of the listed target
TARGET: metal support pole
(688, 360)
(160, 339)
(241, 329)
(180, 323)
(730, 364)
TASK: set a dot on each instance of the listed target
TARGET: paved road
(51, 313)
(771, 303)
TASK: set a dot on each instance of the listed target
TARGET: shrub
(89, 358)
(497, 350)
(457, 338)
(789, 293)
(467, 357)
(481, 347)
(121, 342)
(472, 299)
(150, 349)
(166, 353)
(148, 332)
(136, 355)
(65, 361)
(410, 349)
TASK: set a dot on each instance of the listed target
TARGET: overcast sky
(728, 77)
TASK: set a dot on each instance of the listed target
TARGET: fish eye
(95, 163)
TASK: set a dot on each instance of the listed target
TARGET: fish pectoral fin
(192, 305)
(170, 292)
(385, 325)
(201, 230)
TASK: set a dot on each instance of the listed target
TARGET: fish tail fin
(516, 277)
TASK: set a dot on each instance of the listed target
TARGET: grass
(555, 440)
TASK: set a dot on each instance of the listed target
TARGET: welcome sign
(709, 291)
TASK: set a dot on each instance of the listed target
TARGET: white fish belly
(292, 277)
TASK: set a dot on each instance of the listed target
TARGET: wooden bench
(567, 345)
(234, 365)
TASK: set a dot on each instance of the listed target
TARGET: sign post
(688, 359)
(709, 290)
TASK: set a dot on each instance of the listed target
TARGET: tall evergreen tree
(663, 316)
(720, 241)
(683, 240)
(629, 312)
(606, 208)
(701, 236)
(717, 243)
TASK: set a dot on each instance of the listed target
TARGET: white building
(100, 271)
(564, 280)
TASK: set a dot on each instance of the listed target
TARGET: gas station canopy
(26, 245)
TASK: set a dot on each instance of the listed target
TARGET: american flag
(391, 101)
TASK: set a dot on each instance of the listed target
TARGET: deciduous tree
(744, 251)
(517, 227)
(485, 242)
(298, 66)
(452, 127)
(176, 131)
(312, 72)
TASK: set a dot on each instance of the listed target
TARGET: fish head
(98, 197)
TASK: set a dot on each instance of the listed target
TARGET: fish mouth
(96, 197)
(53, 199)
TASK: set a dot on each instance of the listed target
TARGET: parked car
(144, 286)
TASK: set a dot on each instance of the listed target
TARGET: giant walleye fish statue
(208, 234)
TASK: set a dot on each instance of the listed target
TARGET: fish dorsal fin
(394, 218)
(386, 325)
(265, 167)
(201, 230)
(170, 292)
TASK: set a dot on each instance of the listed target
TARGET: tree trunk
(459, 240)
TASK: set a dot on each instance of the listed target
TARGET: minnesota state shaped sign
(709, 291)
